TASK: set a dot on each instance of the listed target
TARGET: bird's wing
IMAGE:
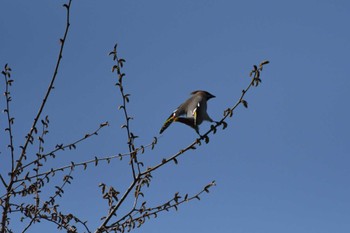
(189, 106)
(195, 113)
(188, 109)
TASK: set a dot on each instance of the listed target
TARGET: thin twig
(10, 120)
(83, 164)
(59, 192)
(29, 138)
(125, 97)
(101, 228)
(62, 147)
(148, 212)
(3, 181)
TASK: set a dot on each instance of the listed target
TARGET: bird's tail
(168, 122)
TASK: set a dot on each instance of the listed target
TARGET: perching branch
(130, 222)
(255, 74)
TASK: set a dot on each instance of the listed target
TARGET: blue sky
(282, 165)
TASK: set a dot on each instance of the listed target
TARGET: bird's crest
(207, 94)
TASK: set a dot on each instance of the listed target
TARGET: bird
(192, 112)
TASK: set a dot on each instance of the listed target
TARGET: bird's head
(204, 93)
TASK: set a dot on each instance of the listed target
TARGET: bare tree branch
(29, 138)
(58, 148)
(10, 120)
(28, 177)
(125, 99)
